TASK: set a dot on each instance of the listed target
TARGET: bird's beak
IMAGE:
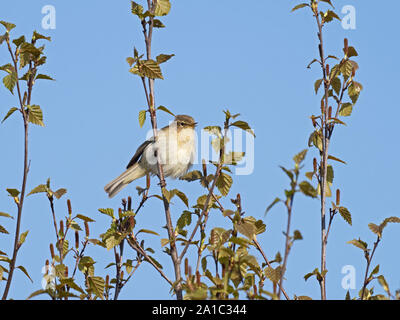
(195, 124)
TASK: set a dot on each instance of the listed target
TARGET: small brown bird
(175, 146)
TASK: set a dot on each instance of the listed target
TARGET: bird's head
(185, 121)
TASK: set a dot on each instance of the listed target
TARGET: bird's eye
(181, 124)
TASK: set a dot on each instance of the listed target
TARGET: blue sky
(248, 58)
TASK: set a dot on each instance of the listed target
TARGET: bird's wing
(139, 152)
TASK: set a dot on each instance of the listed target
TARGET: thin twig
(25, 174)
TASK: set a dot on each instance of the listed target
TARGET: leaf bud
(198, 278)
(129, 203)
(69, 207)
(186, 266)
(346, 46)
(87, 229)
(52, 250)
(76, 239)
(338, 197)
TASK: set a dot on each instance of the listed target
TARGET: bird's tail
(131, 174)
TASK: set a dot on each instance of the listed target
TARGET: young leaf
(272, 204)
(317, 85)
(84, 218)
(108, 211)
(22, 237)
(142, 117)
(224, 183)
(39, 189)
(164, 58)
(44, 77)
(244, 126)
(162, 8)
(13, 192)
(359, 244)
(25, 272)
(38, 36)
(162, 108)
(148, 231)
(9, 113)
(299, 6)
(97, 284)
(60, 192)
(307, 189)
(345, 213)
(10, 81)
(35, 115)
(8, 25)
(346, 109)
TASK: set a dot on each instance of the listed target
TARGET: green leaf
(162, 8)
(164, 58)
(299, 158)
(3, 38)
(383, 283)
(273, 274)
(272, 204)
(25, 272)
(22, 237)
(142, 117)
(330, 174)
(60, 192)
(247, 227)
(37, 293)
(38, 36)
(8, 25)
(192, 176)
(307, 189)
(97, 284)
(336, 84)
(108, 211)
(184, 220)
(3, 230)
(233, 158)
(297, 235)
(330, 15)
(13, 192)
(224, 183)
(299, 6)
(158, 24)
(359, 244)
(345, 213)
(44, 77)
(316, 140)
(317, 85)
(10, 81)
(147, 68)
(9, 113)
(328, 1)
(162, 108)
(3, 214)
(19, 41)
(148, 231)
(39, 189)
(136, 9)
(354, 91)
(244, 126)
(214, 130)
(180, 194)
(336, 159)
(346, 109)
(352, 52)
(35, 115)
(84, 218)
